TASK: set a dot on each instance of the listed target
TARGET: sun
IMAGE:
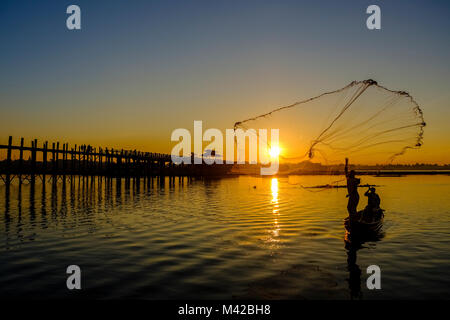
(274, 151)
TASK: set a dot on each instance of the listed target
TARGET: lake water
(240, 237)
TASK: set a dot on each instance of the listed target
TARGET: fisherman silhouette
(352, 189)
(373, 199)
(372, 211)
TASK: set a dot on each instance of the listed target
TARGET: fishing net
(364, 121)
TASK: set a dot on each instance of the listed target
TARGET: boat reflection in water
(353, 242)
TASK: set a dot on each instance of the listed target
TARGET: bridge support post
(8, 161)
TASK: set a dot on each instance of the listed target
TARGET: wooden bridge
(60, 160)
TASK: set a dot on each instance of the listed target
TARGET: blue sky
(139, 69)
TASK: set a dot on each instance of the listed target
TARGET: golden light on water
(274, 189)
(275, 206)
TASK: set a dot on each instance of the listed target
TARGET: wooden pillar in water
(73, 158)
(112, 161)
(119, 163)
(67, 156)
(64, 158)
(8, 152)
(80, 167)
(84, 159)
(93, 161)
(44, 160)
(88, 159)
(82, 155)
(161, 168)
(20, 160)
(8, 161)
(33, 159)
(53, 158)
(106, 162)
(33, 155)
(21, 155)
(100, 161)
(57, 157)
(94, 156)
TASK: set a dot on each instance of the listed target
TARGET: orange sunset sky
(135, 72)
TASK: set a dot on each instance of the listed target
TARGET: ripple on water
(220, 239)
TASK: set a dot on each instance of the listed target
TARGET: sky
(137, 70)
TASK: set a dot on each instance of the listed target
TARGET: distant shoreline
(376, 173)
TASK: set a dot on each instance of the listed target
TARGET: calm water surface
(244, 237)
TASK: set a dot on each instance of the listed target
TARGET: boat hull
(358, 225)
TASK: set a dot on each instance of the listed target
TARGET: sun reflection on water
(275, 206)
(274, 188)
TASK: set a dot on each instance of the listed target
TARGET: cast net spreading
(364, 121)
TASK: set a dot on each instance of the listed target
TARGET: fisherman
(352, 189)
(373, 199)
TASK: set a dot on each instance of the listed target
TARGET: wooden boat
(364, 223)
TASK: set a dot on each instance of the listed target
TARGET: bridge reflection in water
(58, 196)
